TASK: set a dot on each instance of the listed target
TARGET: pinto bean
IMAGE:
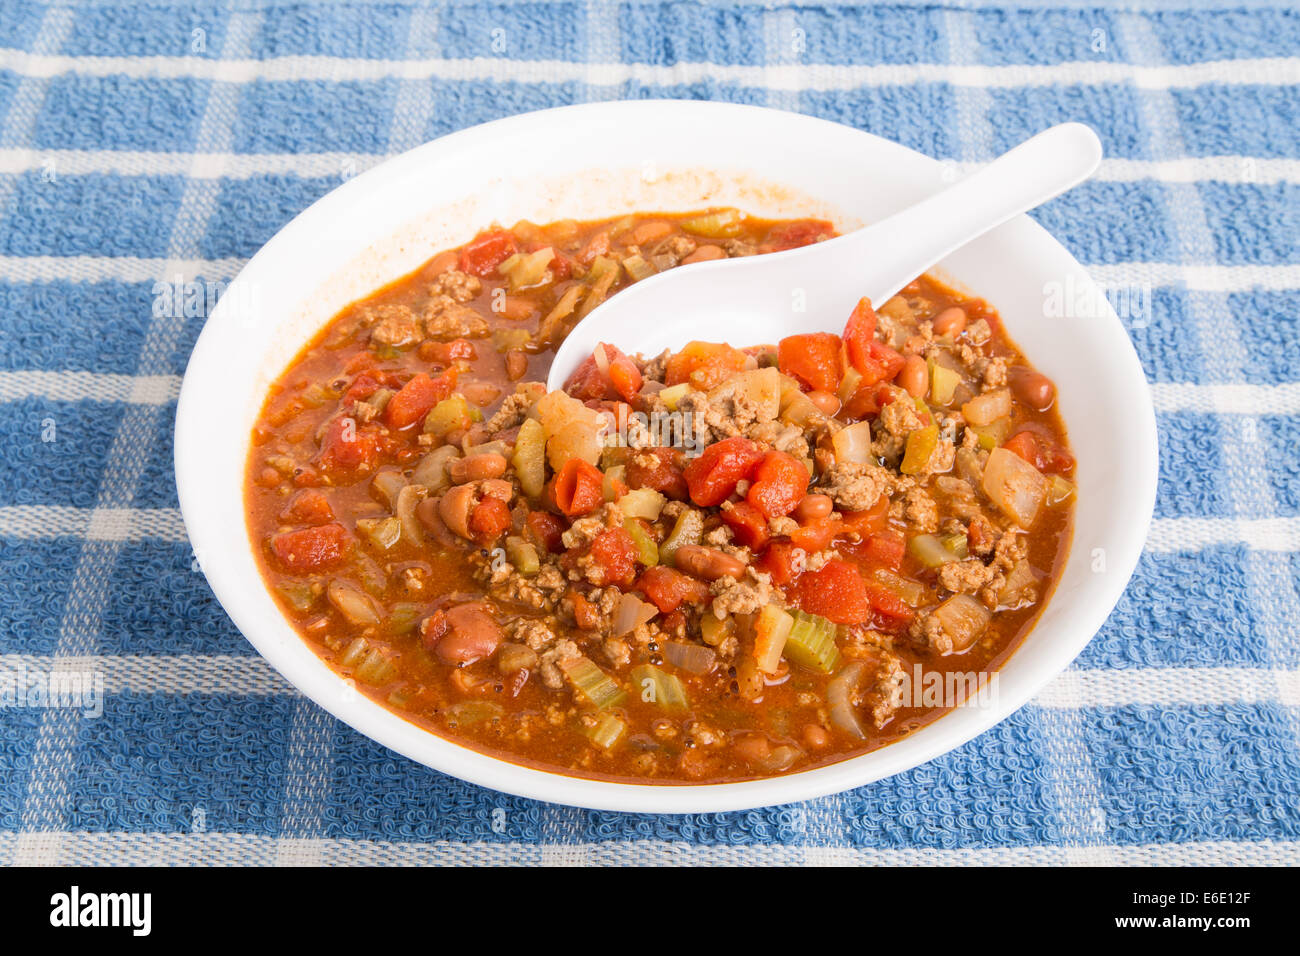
(813, 507)
(829, 404)
(915, 376)
(649, 232)
(497, 488)
(516, 364)
(707, 563)
(472, 634)
(481, 394)
(454, 509)
(477, 467)
(426, 512)
(815, 736)
(1032, 387)
(951, 321)
(704, 254)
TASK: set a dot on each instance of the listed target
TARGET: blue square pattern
(1045, 36)
(55, 451)
(901, 113)
(1014, 115)
(74, 326)
(1191, 463)
(35, 580)
(250, 211)
(149, 114)
(1253, 224)
(362, 30)
(315, 116)
(1182, 774)
(1184, 609)
(514, 31)
(1160, 327)
(461, 103)
(1110, 222)
(867, 35)
(95, 214)
(1239, 120)
(147, 29)
(1199, 36)
(1273, 346)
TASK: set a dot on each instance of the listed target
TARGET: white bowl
(597, 160)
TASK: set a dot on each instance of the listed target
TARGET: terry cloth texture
(140, 142)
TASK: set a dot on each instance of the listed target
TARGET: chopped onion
(630, 614)
(839, 695)
(986, 408)
(853, 444)
(1015, 486)
(355, 606)
(693, 658)
(964, 619)
(407, 499)
(602, 360)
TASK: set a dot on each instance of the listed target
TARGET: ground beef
(514, 409)
(921, 509)
(745, 596)
(787, 438)
(535, 633)
(881, 692)
(855, 486)
(966, 576)
(549, 670)
(445, 318)
(900, 416)
(459, 286)
(395, 326)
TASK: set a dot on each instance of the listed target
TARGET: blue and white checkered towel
(144, 145)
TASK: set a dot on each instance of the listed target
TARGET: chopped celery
(674, 394)
(300, 595)
(448, 415)
(638, 268)
(921, 443)
(642, 503)
(522, 555)
(655, 686)
(771, 630)
(354, 652)
(613, 479)
(849, 385)
(721, 224)
(530, 457)
(811, 643)
(931, 551)
(383, 533)
(993, 434)
(375, 668)
(317, 395)
(955, 544)
(387, 484)
(608, 731)
(506, 339)
(647, 552)
(466, 713)
(1059, 491)
(591, 685)
(912, 593)
(527, 269)
(943, 383)
(715, 631)
(688, 529)
(403, 618)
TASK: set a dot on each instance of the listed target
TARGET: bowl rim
(321, 684)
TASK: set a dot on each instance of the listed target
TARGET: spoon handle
(898, 249)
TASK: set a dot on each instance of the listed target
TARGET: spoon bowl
(760, 299)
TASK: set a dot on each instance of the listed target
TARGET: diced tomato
(780, 482)
(867, 401)
(713, 476)
(585, 615)
(614, 551)
(859, 333)
(417, 397)
(362, 387)
(546, 530)
(561, 265)
(623, 373)
(306, 477)
(779, 561)
(816, 534)
(884, 549)
(579, 488)
(668, 589)
(348, 445)
(1041, 451)
(308, 507)
(836, 591)
(863, 523)
(812, 359)
(704, 365)
(886, 603)
(801, 232)
(588, 383)
(747, 523)
(881, 364)
(312, 549)
(487, 251)
(489, 519)
(445, 353)
(658, 468)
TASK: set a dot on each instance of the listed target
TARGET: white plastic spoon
(760, 299)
